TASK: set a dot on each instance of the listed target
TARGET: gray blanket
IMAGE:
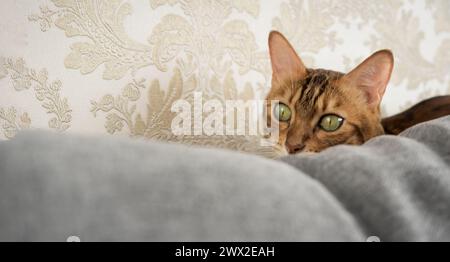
(107, 188)
(396, 187)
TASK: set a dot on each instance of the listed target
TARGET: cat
(320, 108)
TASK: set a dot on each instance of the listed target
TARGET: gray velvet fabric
(55, 186)
(106, 188)
(396, 187)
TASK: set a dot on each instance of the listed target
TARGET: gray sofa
(118, 189)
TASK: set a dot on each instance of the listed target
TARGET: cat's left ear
(372, 75)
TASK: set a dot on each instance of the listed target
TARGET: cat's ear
(285, 61)
(372, 75)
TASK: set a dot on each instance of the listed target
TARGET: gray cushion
(104, 188)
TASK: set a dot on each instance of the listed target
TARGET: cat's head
(320, 108)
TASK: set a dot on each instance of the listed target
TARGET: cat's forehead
(316, 90)
(319, 77)
(313, 78)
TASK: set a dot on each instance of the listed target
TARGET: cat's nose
(294, 149)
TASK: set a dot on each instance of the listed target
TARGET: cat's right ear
(285, 61)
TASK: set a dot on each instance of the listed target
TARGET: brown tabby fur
(356, 96)
(429, 109)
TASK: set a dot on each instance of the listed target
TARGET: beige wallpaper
(116, 67)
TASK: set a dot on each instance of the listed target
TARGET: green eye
(330, 123)
(282, 112)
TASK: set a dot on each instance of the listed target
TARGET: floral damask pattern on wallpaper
(46, 93)
(217, 48)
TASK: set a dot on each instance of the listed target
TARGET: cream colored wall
(115, 67)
